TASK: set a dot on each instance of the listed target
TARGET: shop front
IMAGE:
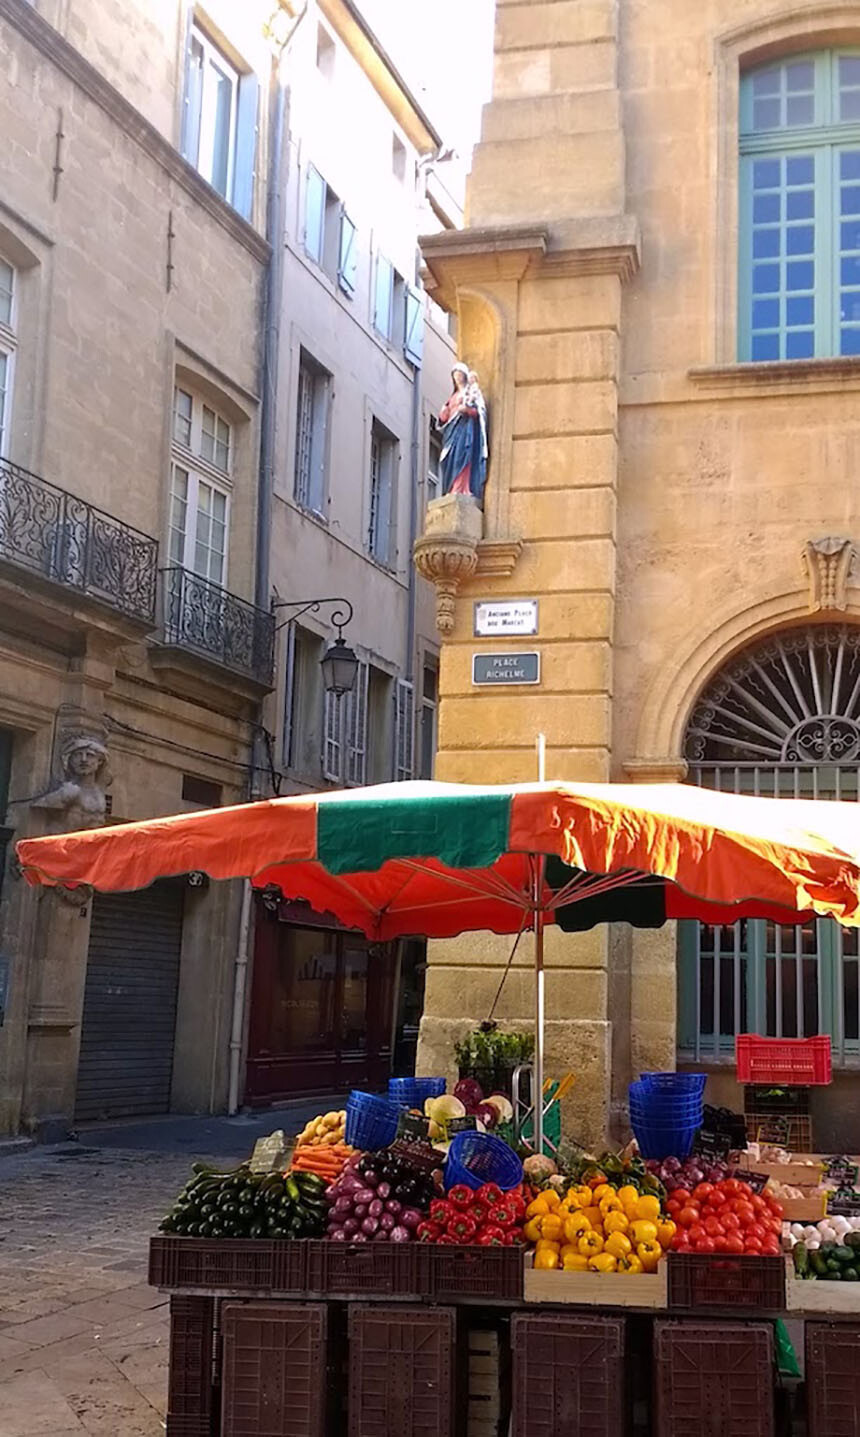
(322, 1006)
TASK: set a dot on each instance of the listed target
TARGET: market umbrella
(440, 859)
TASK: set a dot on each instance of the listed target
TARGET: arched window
(782, 720)
(799, 271)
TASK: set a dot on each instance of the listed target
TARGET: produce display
(832, 1260)
(326, 1162)
(328, 1130)
(483, 1216)
(242, 1203)
(380, 1197)
(726, 1217)
(673, 1173)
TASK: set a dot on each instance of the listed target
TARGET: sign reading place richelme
(496, 618)
(498, 670)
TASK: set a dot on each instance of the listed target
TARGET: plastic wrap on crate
(274, 1370)
(568, 1376)
(189, 1381)
(697, 1281)
(228, 1264)
(401, 1371)
(833, 1378)
(785, 1062)
(714, 1379)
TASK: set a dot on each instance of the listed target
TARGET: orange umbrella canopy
(441, 859)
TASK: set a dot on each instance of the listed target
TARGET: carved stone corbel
(447, 552)
(827, 566)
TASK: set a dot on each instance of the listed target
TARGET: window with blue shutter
(799, 271)
(413, 337)
(315, 195)
(246, 145)
(383, 296)
(348, 260)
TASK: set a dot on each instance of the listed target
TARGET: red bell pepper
(491, 1236)
(440, 1211)
(502, 1215)
(490, 1193)
(429, 1232)
(461, 1197)
(462, 1227)
(478, 1210)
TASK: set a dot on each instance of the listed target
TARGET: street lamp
(339, 663)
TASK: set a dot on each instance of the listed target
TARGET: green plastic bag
(786, 1358)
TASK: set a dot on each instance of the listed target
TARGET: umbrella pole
(537, 1095)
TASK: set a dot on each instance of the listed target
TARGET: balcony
(56, 536)
(218, 627)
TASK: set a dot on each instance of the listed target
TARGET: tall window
(330, 236)
(383, 465)
(303, 702)
(429, 708)
(312, 419)
(200, 488)
(7, 349)
(434, 463)
(345, 735)
(404, 730)
(220, 121)
(783, 721)
(799, 278)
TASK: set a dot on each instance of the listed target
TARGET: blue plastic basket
(680, 1112)
(688, 1084)
(414, 1092)
(371, 1121)
(478, 1158)
(659, 1143)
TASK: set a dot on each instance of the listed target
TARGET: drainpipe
(413, 522)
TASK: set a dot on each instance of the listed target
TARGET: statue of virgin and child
(463, 426)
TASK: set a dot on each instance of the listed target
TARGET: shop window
(219, 131)
(799, 272)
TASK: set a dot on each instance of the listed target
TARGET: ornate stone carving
(827, 565)
(447, 552)
(79, 799)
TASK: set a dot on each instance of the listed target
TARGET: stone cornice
(786, 373)
(44, 38)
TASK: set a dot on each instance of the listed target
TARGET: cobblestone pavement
(83, 1339)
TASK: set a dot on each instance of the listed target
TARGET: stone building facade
(140, 444)
(665, 304)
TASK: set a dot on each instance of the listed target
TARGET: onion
(386, 1222)
(365, 1195)
(338, 1235)
(394, 1207)
(376, 1208)
(371, 1179)
(383, 1190)
(343, 1206)
(332, 1192)
(410, 1217)
(381, 1236)
(350, 1225)
(349, 1183)
(400, 1234)
(370, 1225)
(360, 1210)
(358, 1237)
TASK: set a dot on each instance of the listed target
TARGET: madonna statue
(463, 422)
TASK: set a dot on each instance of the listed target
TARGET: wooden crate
(597, 1289)
(837, 1298)
(484, 1383)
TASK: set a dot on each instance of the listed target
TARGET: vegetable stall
(318, 1317)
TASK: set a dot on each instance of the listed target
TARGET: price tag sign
(712, 1145)
(757, 1181)
(841, 1172)
(843, 1203)
(774, 1130)
(469, 1124)
(413, 1128)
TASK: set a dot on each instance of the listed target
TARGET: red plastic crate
(228, 1264)
(833, 1378)
(189, 1383)
(714, 1380)
(401, 1372)
(274, 1375)
(697, 1281)
(786, 1062)
(568, 1376)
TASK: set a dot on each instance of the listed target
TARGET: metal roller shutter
(129, 1019)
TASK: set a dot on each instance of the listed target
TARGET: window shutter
(382, 296)
(356, 731)
(413, 335)
(246, 144)
(317, 461)
(314, 213)
(333, 737)
(404, 730)
(287, 755)
(348, 264)
(193, 96)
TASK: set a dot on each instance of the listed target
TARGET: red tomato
(744, 1212)
(673, 1207)
(744, 1190)
(702, 1192)
(752, 1245)
(705, 1244)
(721, 1243)
(714, 1228)
(734, 1243)
(681, 1240)
(777, 1209)
(682, 1196)
(770, 1248)
(730, 1186)
(730, 1221)
(756, 1229)
(717, 1199)
(697, 1231)
(758, 1202)
(688, 1215)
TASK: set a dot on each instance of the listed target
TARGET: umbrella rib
(573, 892)
(498, 888)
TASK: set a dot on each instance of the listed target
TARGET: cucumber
(844, 1254)
(818, 1263)
(801, 1259)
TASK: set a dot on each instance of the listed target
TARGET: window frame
(384, 454)
(188, 457)
(320, 382)
(428, 716)
(331, 242)
(345, 733)
(8, 348)
(204, 120)
(825, 140)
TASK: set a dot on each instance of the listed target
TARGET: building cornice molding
(44, 38)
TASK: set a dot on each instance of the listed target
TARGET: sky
(444, 50)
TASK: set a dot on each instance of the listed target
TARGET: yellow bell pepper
(601, 1191)
(590, 1244)
(568, 1249)
(594, 1215)
(630, 1264)
(532, 1230)
(552, 1226)
(610, 1205)
(574, 1262)
(544, 1243)
(603, 1262)
(618, 1244)
(539, 1207)
(547, 1261)
(666, 1230)
(628, 1196)
(643, 1231)
(648, 1207)
(649, 1254)
(615, 1222)
(575, 1226)
(584, 1195)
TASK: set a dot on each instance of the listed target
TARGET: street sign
(502, 669)
(496, 618)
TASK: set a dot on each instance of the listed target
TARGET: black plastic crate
(363, 1269)
(401, 1372)
(487, 1274)
(833, 1379)
(698, 1281)
(189, 1382)
(274, 1369)
(228, 1264)
(568, 1376)
(714, 1379)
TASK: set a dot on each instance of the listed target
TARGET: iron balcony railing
(219, 626)
(58, 536)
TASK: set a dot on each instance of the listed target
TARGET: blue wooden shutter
(246, 144)
(190, 143)
(382, 296)
(348, 263)
(413, 336)
(314, 213)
